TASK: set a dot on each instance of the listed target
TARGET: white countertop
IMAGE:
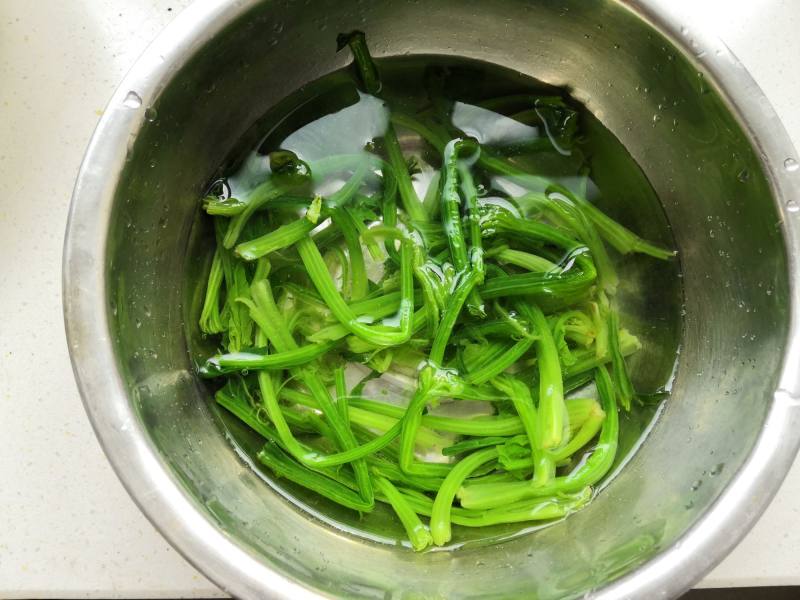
(68, 529)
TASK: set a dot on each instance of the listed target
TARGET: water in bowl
(331, 116)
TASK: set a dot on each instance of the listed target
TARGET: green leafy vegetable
(440, 356)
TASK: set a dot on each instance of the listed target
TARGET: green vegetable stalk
(368, 73)
(417, 533)
(551, 425)
(440, 513)
(489, 496)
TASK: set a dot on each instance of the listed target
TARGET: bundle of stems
(510, 310)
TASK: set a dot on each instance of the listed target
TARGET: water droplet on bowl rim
(132, 100)
(792, 206)
(791, 165)
(150, 114)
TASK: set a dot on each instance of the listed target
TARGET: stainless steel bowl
(678, 100)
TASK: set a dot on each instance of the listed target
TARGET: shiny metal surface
(691, 117)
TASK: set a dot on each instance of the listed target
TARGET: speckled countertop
(68, 529)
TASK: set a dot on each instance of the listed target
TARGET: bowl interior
(634, 81)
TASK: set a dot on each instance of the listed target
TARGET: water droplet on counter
(791, 165)
(132, 100)
(792, 399)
